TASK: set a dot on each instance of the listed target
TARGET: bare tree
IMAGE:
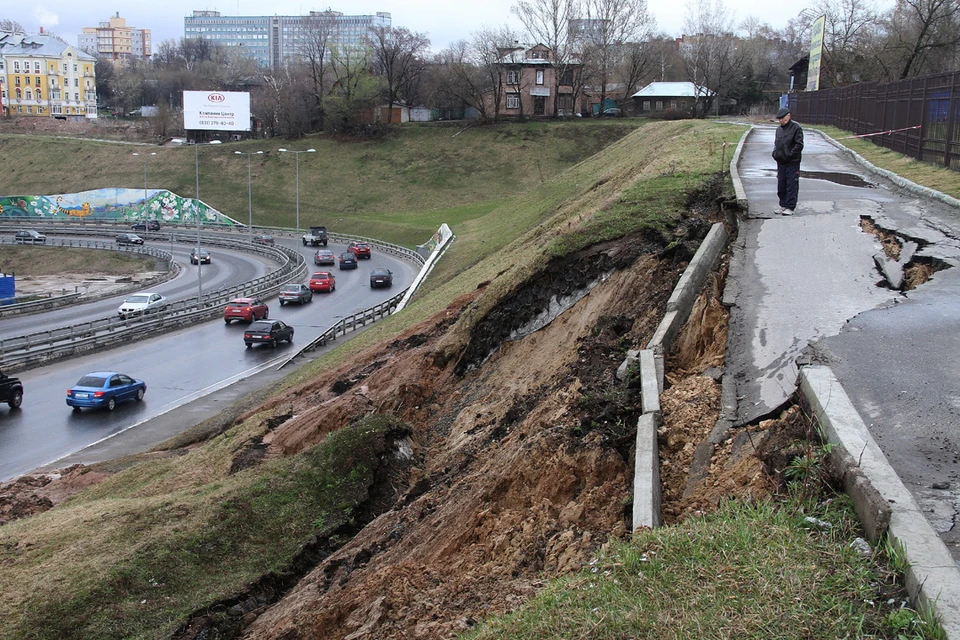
(354, 89)
(320, 32)
(849, 26)
(613, 35)
(923, 34)
(11, 26)
(711, 57)
(548, 22)
(398, 56)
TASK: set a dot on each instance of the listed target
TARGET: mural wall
(114, 205)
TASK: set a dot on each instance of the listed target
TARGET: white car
(141, 303)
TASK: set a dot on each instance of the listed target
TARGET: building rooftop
(672, 90)
(37, 44)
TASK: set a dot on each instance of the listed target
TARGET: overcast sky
(443, 21)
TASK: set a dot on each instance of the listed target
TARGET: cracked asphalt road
(807, 287)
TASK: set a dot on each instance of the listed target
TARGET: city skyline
(443, 23)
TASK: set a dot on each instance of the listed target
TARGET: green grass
(748, 571)
(398, 189)
(42, 261)
(159, 555)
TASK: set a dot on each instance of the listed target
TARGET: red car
(323, 281)
(247, 309)
(359, 249)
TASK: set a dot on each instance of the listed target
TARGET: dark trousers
(788, 184)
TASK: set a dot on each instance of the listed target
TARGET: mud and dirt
(521, 450)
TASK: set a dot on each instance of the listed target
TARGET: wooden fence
(920, 114)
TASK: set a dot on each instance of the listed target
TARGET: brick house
(530, 89)
(658, 97)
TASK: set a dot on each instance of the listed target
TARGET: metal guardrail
(46, 346)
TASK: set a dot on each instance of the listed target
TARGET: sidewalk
(805, 289)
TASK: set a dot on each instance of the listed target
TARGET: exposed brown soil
(104, 128)
(522, 452)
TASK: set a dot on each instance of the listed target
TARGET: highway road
(177, 367)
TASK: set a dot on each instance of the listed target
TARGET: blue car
(104, 389)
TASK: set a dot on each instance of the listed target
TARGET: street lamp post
(196, 211)
(297, 155)
(249, 189)
(144, 183)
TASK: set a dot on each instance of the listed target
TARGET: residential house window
(16, 66)
(36, 67)
(567, 77)
(37, 81)
(76, 82)
(659, 105)
(1, 65)
(18, 93)
(76, 97)
(646, 105)
(19, 109)
(16, 81)
(673, 104)
(30, 109)
(539, 76)
(29, 95)
(513, 101)
(513, 76)
(39, 96)
(74, 68)
(64, 67)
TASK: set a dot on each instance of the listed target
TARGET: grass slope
(129, 557)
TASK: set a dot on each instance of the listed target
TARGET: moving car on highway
(264, 238)
(323, 281)
(146, 225)
(11, 390)
(267, 332)
(204, 256)
(29, 236)
(129, 238)
(295, 293)
(348, 261)
(324, 256)
(381, 278)
(360, 249)
(140, 303)
(104, 389)
(247, 309)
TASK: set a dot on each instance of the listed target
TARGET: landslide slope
(477, 444)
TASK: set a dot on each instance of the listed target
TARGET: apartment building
(42, 76)
(114, 40)
(275, 40)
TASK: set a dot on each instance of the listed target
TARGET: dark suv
(11, 390)
(148, 225)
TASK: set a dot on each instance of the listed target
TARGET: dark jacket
(788, 145)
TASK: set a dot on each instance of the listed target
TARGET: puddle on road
(845, 179)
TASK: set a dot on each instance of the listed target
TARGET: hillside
(444, 466)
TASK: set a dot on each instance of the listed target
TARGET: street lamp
(297, 155)
(144, 182)
(249, 188)
(196, 211)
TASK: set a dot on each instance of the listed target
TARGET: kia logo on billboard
(216, 97)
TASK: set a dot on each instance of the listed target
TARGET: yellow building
(42, 76)
(114, 40)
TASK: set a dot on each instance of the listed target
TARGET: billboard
(216, 110)
(816, 51)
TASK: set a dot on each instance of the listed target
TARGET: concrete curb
(933, 578)
(898, 180)
(738, 189)
(646, 483)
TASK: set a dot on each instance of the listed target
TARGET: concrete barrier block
(628, 362)
(649, 382)
(690, 283)
(646, 475)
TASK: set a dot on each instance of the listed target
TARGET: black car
(204, 256)
(381, 278)
(29, 236)
(11, 390)
(129, 238)
(348, 261)
(264, 238)
(148, 225)
(267, 332)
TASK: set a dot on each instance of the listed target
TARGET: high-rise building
(114, 40)
(275, 40)
(41, 75)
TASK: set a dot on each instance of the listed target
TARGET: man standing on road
(787, 148)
